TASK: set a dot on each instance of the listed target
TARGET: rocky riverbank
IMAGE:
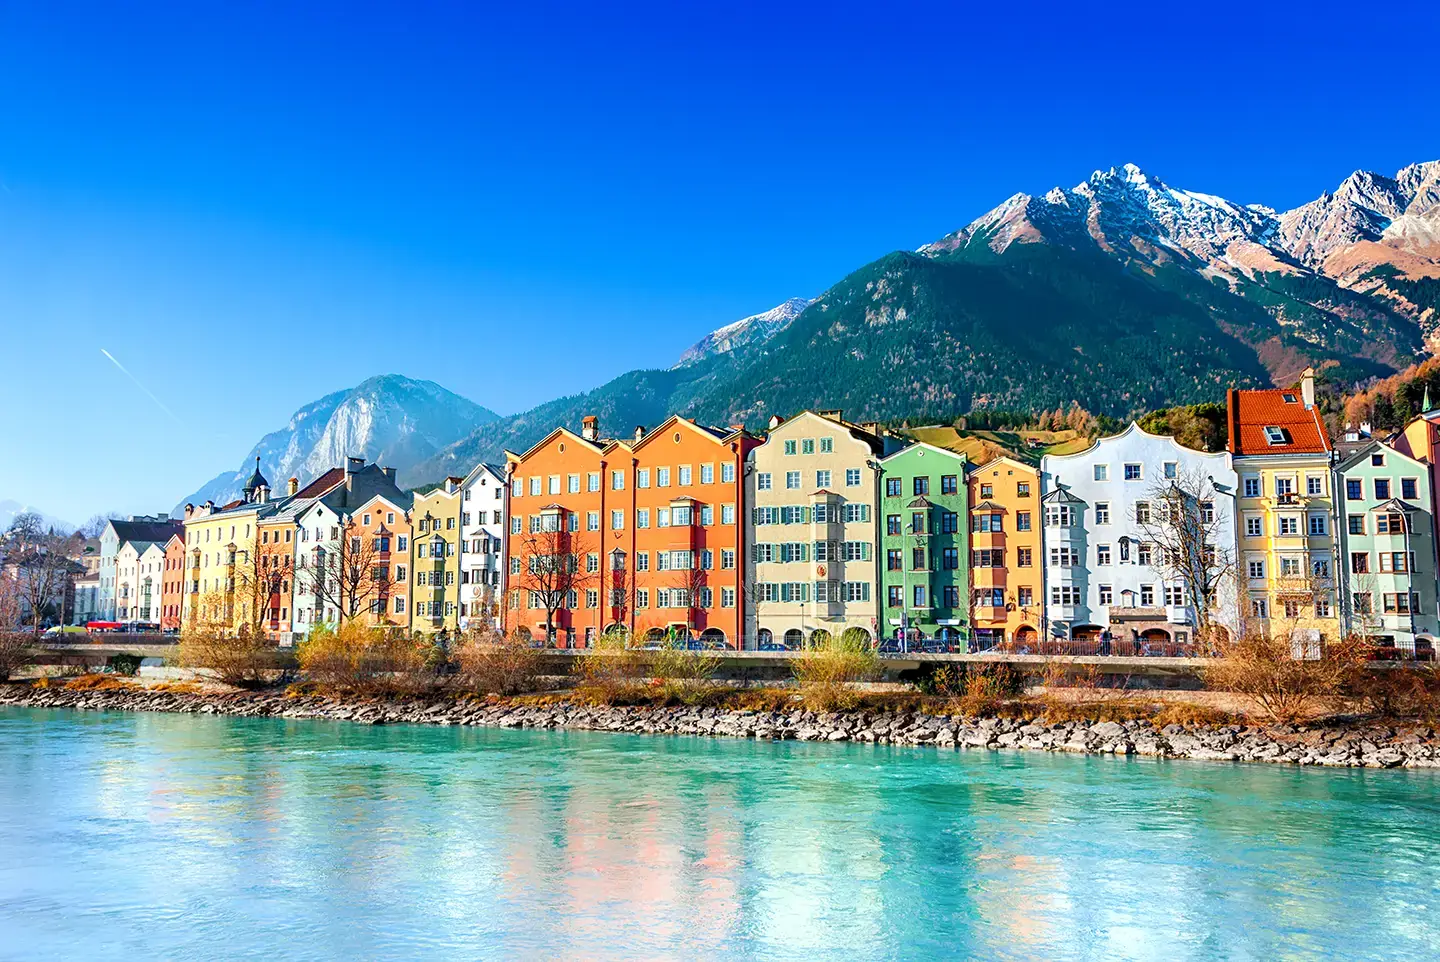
(1367, 746)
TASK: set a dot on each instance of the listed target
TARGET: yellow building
(1285, 513)
(222, 588)
(435, 559)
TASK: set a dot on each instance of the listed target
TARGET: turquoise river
(135, 836)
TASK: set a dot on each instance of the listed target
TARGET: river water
(127, 836)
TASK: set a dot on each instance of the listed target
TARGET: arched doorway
(522, 635)
(820, 638)
(1026, 635)
(765, 640)
(855, 639)
(654, 637)
(948, 638)
(794, 638)
(713, 638)
(1154, 641)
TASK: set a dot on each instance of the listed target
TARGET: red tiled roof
(322, 484)
(1251, 412)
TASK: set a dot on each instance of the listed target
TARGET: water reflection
(174, 836)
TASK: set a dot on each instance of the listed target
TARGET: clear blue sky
(253, 204)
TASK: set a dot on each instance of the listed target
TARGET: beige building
(812, 568)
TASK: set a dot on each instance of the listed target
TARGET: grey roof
(146, 530)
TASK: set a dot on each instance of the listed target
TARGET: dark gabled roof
(146, 530)
(1061, 496)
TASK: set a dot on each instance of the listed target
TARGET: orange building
(172, 585)
(275, 547)
(651, 526)
(383, 527)
(1006, 567)
(683, 532)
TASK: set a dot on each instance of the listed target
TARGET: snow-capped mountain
(392, 419)
(9, 509)
(748, 330)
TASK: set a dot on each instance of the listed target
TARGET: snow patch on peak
(756, 328)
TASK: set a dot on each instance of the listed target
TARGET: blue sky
(250, 205)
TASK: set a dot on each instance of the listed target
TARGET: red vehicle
(103, 626)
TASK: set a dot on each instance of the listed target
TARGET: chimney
(775, 421)
(737, 428)
(353, 465)
(452, 484)
(189, 510)
(1307, 388)
(832, 415)
(872, 426)
(639, 433)
(1365, 429)
(590, 427)
(389, 473)
(292, 487)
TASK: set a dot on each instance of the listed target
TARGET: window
(1147, 596)
(987, 558)
(1023, 557)
(1254, 527)
(827, 445)
(1389, 523)
(807, 446)
(852, 513)
(617, 520)
(1133, 472)
(1377, 460)
(918, 594)
(987, 491)
(1314, 485)
(1320, 567)
(982, 522)
(1142, 512)
(1392, 561)
(662, 477)
(681, 516)
(892, 487)
(1257, 569)
(1353, 490)
(792, 479)
(1251, 487)
(1025, 597)
(1364, 604)
(1022, 521)
(536, 485)
(762, 481)
(642, 517)
(790, 447)
(920, 485)
(917, 559)
(893, 560)
(642, 597)
(1143, 553)
(707, 514)
(822, 479)
(1359, 563)
(1258, 608)
(642, 478)
(517, 487)
(707, 474)
(951, 596)
(949, 484)
(1107, 595)
(642, 561)
(1064, 595)
(1322, 606)
(592, 521)
(1102, 472)
(852, 476)
(1058, 516)
(727, 473)
(1289, 524)
(1102, 512)
(1317, 524)
(1174, 596)
(1292, 608)
(727, 597)
(1408, 489)
(1289, 567)
(893, 597)
(727, 514)
(1275, 435)
(1022, 489)
(1064, 557)
(1398, 603)
(1357, 523)
(1171, 470)
(950, 559)
(1102, 554)
(683, 474)
(592, 481)
(1207, 512)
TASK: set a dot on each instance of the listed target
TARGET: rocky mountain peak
(754, 329)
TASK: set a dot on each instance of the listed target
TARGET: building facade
(812, 568)
(172, 586)
(141, 527)
(435, 559)
(1118, 572)
(1285, 512)
(482, 546)
(1387, 548)
(925, 537)
(1006, 560)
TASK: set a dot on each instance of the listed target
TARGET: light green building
(1387, 538)
(925, 572)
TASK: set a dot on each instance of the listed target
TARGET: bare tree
(1190, 545)
(351, 576)
(94, 527)
(690, 583)
(552, 573)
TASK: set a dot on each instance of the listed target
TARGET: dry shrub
(610, 671)
(493, 664)
(14, 652)
(358, 658)
(683, 676)
(97, 682)
(1191, 715)
(827, 673)
(763, 699)
(1287, 689)
(1395, 691)
(239, 660)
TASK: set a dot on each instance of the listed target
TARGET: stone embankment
(1367, 746)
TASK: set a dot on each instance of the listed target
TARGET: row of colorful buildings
(820, 527)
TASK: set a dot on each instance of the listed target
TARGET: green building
(925, 575)
(1387, 539)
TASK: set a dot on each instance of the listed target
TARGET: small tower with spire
(1425, 406)
(256, 485)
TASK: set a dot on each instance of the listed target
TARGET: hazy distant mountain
(9, 509)
(392, 419)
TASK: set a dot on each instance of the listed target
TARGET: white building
(1108, 574)
(137, 527)
(483, 513)
(139, 575)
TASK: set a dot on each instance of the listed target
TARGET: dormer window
(1288, 398)
(1275, 435)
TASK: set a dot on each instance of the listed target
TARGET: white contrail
(142, 387)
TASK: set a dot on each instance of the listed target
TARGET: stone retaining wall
(1368, 746)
